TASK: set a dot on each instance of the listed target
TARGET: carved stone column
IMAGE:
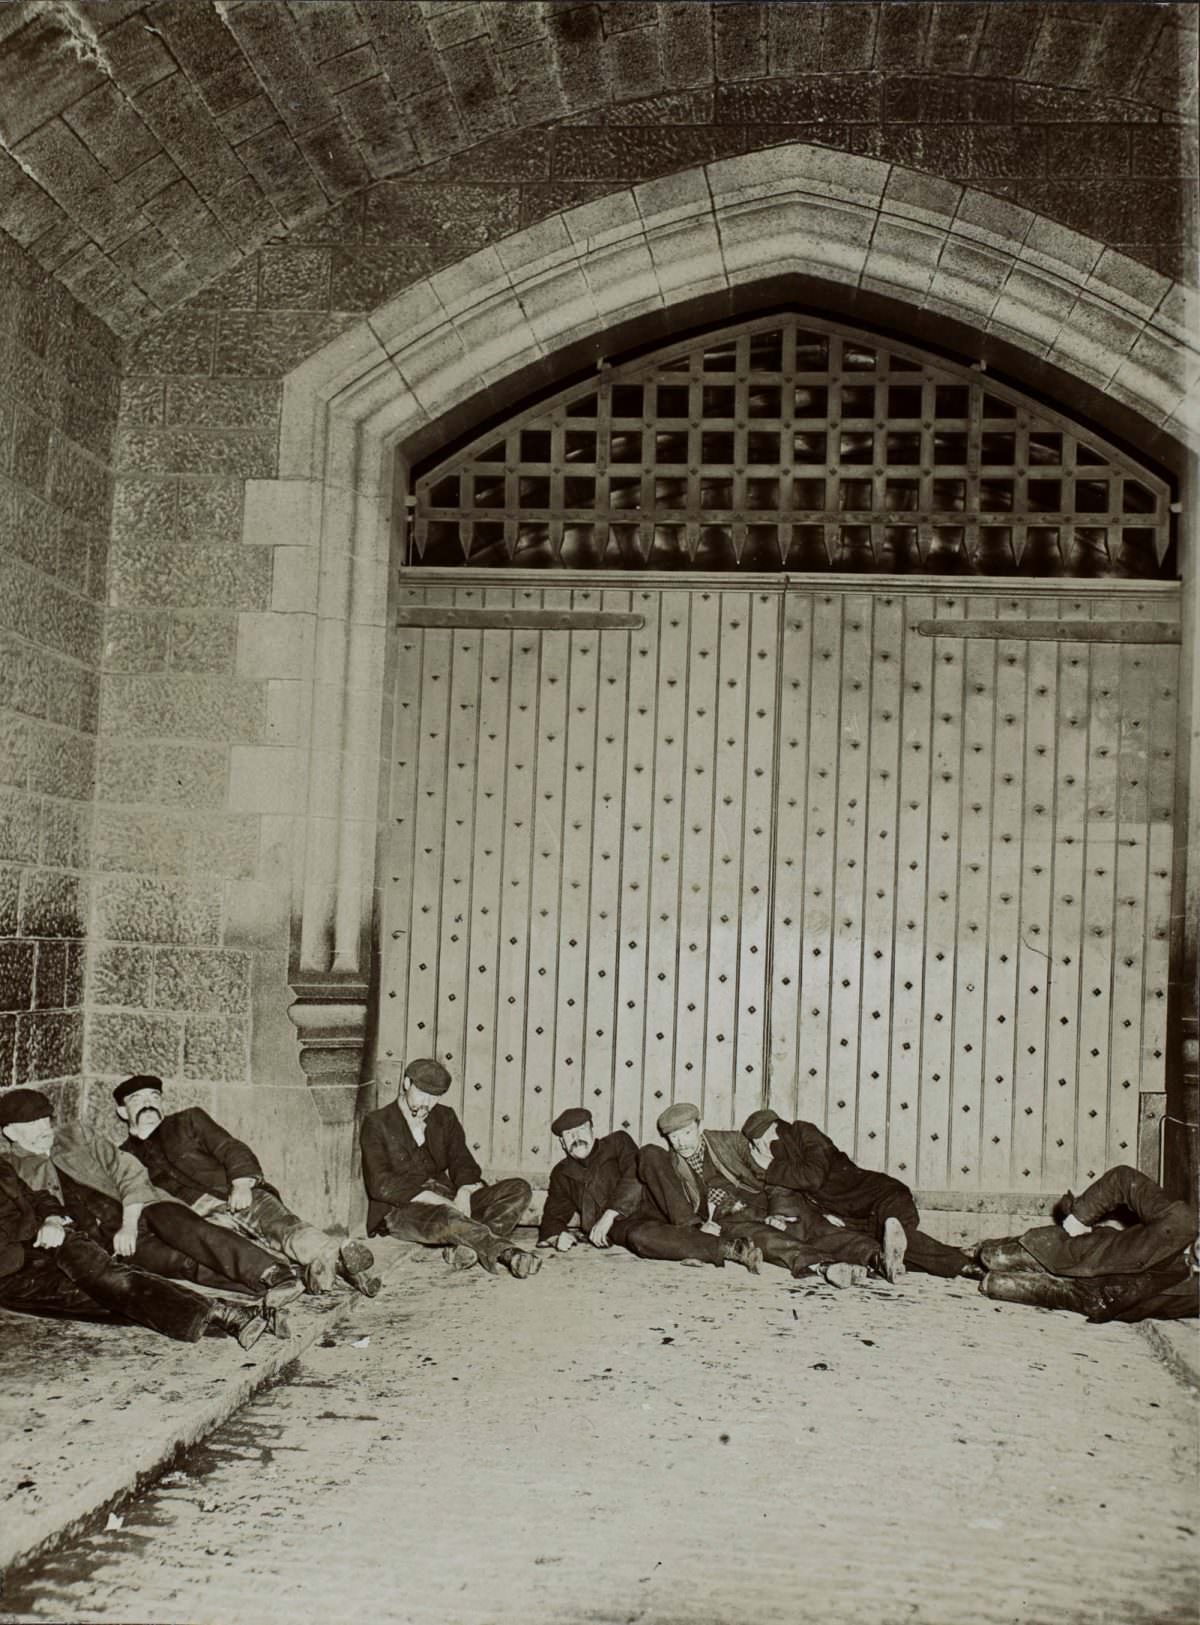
(331, 1021)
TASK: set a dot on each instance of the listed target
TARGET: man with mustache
(708, 1180)
(109, 1198)
(424, 1185)
(596, 1183)
(201, 1163)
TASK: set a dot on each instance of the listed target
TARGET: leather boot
(895, 1245)
(1041, 1290)
(519, 1263)
(460, 1257)
(1006, 1253)
(741, 1250)
(843, 1275)
(246, 1322)
(355, 1261)
(280, 1287)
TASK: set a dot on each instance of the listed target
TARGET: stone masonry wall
(58, 407)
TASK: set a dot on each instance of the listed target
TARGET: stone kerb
(791, 209)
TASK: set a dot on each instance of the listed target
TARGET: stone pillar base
(331, 1021)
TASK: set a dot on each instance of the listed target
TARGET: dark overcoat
(395, 1167)
(191, 1156)
(606, 1179)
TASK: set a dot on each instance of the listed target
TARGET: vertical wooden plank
(396, 923)
(422, 1036)
(845, 1001)
(605, 889)
(666, 850)
(634, 928)
(912, 841)
(941, 903)
(1062, 1040)
(997, 1169)
(697, 855)
(790, 874)
(547, 930)
(881, 824)
(487, 869)
(1099, 890)
(730, 768)
(753, 989)
(584, 666)
(514, 943)
(825, 690)
(1129, 922)
(974, 882)
(1164, 698)
(458, 843)
(1034, 970)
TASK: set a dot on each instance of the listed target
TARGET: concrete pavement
(619, 1441)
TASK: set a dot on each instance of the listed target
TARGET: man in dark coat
(798, 1159)
(1146, 1271)
(597, 1185)
(707, 1180)
(219, 1177)
(47, 1269)
(424, 1185)
(110, 1199)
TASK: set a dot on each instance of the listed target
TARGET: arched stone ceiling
(150, 148)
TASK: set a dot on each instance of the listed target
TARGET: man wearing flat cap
(797, 1159)
(189, 1155)
(110, 1199)
(48, 1268)
(708, 1180)
(597, 1185)
(424, 1185)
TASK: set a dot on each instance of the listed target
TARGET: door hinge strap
(1055, 631)
(519, 620)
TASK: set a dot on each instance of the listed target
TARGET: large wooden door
(789, 840)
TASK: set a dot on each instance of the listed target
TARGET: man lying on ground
(424, 1185)
(708, 1181)
(109, 1198)
(1147, 1271)
(596, 1186)
(798, 1158)
(193, 1158)
(48, 1269)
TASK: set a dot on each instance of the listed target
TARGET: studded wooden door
(577, 903)
(796, 840)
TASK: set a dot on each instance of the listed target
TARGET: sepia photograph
(599, 812)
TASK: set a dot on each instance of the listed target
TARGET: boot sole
(521, 1265)
(251, 1332)
(278, 1297)
(458, 1258)
(895, 1244)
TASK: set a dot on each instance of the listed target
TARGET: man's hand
(206, 1204)
(776, 1221)
(709, 1228)
(1074, 1226)
(52, 1233)
(564, 1241)
(598, 1234)
(240, 1193)
(125, 1240)
(462, 1198)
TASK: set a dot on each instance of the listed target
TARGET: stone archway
(836, 220)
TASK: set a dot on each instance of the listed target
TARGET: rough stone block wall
(58, 406)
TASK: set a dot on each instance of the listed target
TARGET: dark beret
(678, 1116)
(131, 1086)
(759, 1122)
(429, 1076)
(23, 1106)
(573, 1117)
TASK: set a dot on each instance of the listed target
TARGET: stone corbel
(331, 1023)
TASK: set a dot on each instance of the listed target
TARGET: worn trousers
(80, 1280)
(269, 1221)
(810, 1240)
(879, 1198)
(651, 1238)
(495, 1213)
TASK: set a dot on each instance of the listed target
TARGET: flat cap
(573, 1117)
(132, 1086)
(678, 1116)
(759, 1122)
(23, 1106)
(429, 1076)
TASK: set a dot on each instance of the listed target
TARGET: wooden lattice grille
(798, 444)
